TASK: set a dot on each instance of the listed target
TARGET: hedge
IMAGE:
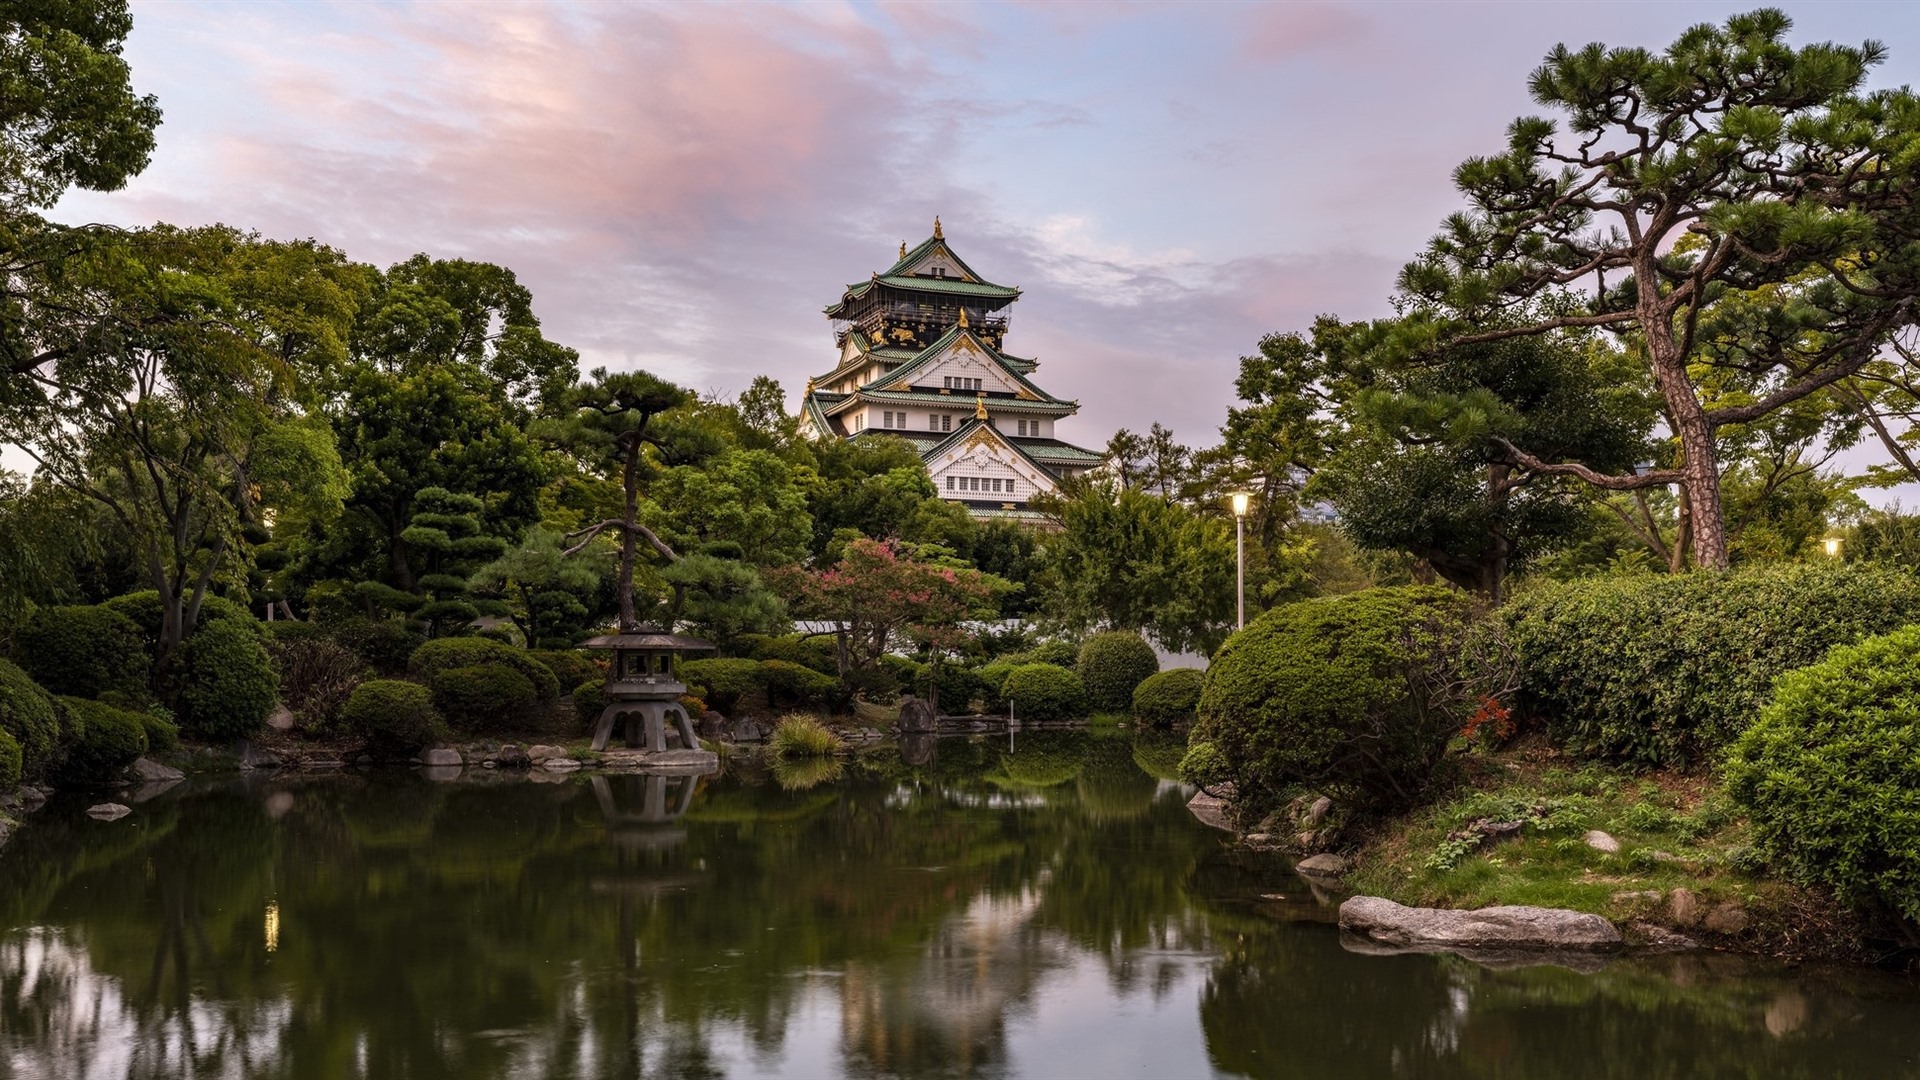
(392, 715)
(83, 651)
(1112, 664)
(1168, 697)
(1667, 669)
(1043, 692)
(726, 680)
(1337, 694)
(959, 685)
(570, 667)
(819, 653)
(102, 740)
(481, 696)
(790, 684)
(442, 654)
(1829, 773)
(28, 713)
(590, 700)
(1058, 653)
(227, 679)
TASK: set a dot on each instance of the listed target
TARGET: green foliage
(316, 675)
(1353, 695)
(1169, 696)
(385, 644)
(1111, 664)
(481, 696)
(1059, 653)
(570, 667)
(790, 684)
(392, 715)
(102, 741)
(816, 652)
(9, 761)
(1043, 692)
(149, 613)
(589, 699)
(801, 735)
(958, 685)
(1205, 765)
(726, 680)
(163, 735)
(724, 598)
(83, 651)
(1664, 670)
(444, 653)
(1830, 773)
(228, 686)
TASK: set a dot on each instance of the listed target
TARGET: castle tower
(921, 359)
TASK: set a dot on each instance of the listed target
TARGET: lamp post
(1240, 499)
(1832, 544)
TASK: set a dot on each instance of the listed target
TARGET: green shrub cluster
(83, 651)
(442, 654)
(1045, 692)
(993, 681)
(1112, 664)
(385, 644)
(1169, 696)
(147, 613)
(791, 684)
(392, 715)
(228, 684)
(9, 760)
(1667, 669)
(1058, 653)
(570, 667)
(1829, 773)
(818, 653)
(726, 680)
(589, 700)
(102, 740)
(1344, 694)
(958, 686)
(481, 696)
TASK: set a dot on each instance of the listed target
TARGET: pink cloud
(1280, 32)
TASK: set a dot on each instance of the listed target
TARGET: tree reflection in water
(934, 910)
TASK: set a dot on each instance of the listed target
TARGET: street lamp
(1240, 499)
(1832, 544)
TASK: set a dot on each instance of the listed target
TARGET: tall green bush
(482, 696)
(145, 610)
(570, 666)
(791, 684)
(1667, 669)
(1830, 773)
(726, 680)
(28, 713)
(228, 687)
(392, 715)
(102, 741)
(1353, 695)
(442, 654)
(1045, 692)
(83, 651)
(1168, 697)
(1112, 664)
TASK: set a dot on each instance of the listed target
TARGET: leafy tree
(722, 599)
(1731, 163)
(68, 113)
(750, 498)
(550, 595)
(877, 487)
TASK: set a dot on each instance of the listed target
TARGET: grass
(1674, 832)
(799, 735)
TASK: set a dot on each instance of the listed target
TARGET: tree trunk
(629, 537)
(1700, 459)
(397, 567)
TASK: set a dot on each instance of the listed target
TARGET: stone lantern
(642, 691)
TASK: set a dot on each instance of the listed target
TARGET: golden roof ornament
(963, 317)
(809, 386)
(903, 249)
(980, 407)
(937, 234)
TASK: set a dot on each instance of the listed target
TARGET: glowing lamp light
(1240, 499)
(1832, 544)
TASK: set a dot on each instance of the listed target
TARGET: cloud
(1274, 33)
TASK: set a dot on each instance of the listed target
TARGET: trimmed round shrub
(228, 687)
(386, 644)
(1829, 773)
(1112, 664)
(163, 735)
(481, 696)
(1059, 653)
(83, 651)
(9, 761)
(442, 654)
(102, 741)
(570, 667)
(1667, 669)
(905, 672)
(726, 680)
(392, 715)
(294, 630)
(589, 699)
(1168, 697)
(1344, 694)
(790, 684)
(29, 714)
(1044, 692)
(993, 677)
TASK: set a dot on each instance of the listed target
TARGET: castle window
(1023, 427)
(949, 483)
(933, 422)
(886, 419)
(946, 421)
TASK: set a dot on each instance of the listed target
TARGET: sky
(683, 187)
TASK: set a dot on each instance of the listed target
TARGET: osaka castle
(922, 359)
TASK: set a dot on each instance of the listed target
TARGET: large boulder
(916, 716)
(1507, 927)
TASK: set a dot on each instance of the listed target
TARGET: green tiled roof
(1055, 450)
(926, 355)
(921, 249)
(958, 402)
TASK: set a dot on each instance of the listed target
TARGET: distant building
(920, 359)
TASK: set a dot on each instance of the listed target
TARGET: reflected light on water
(272, 922)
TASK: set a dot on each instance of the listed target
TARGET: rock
(281, 719)
(1660, 939)
(1727, 918)
(321, 759)
(1323, 866)
(748, 731)
(1258, 838)
(108, 811)
(32, 798)
(512, 757)
(1602, 842)
(441, 756)
(1684, 907)
(1508, 927)
(442, 774)
(1317, 813)
(560, 764)
(147, 769)
(538, 754)
(916, 716)
(712, 726)
(1306, 841)
(1210, 810)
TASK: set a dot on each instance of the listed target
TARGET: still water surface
(1055, 912)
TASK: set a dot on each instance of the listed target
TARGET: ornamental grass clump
(1829, 774)
(1355, 696)
(1112, 664)
(801, 736)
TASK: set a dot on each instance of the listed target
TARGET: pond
(1049, 912)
